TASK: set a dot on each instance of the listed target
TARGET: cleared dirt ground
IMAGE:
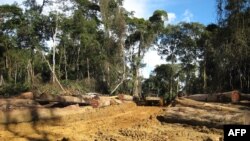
(125, 122)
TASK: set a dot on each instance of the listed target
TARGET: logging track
(125, 122)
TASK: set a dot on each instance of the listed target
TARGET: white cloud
(138, 6)
(171, 18)
(10, 1)
(145, 8)
(152, 59)
(187, 16)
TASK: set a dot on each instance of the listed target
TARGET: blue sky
(203, 11)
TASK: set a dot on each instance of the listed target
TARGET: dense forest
(83, 46)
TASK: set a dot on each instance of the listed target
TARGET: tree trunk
(65, 65)
(241, 82)
(136, 82)
(1, 80)
(60, 61)
(137, 61)
(88, 70)
(56, 80)
(15, 73)
(54, 63)
(54, 52)
(248, 83)
(6, 63)
(108, 71)
(177, 85)
(77, 63)
(123, 77)
(122, 54)
(30, 73)
(8, 67)
(204, 78)
(231, 85)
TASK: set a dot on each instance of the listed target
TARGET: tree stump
(235, 96)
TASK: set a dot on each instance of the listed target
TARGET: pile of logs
(211, 115)
(28, 99)
(93, 100)
(29, 107)
(233, 96)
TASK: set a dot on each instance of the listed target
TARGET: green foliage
(164, 79)
(48, 88)
(101, 45)
(13, 89)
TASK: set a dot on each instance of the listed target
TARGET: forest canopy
(97, 45)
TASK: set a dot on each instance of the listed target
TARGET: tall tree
(180, 43)
(142, 36)
(234, 25)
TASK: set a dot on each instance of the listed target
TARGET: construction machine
(153, 98)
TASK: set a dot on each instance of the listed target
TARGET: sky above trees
(202, 11)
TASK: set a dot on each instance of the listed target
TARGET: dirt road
(125, 122)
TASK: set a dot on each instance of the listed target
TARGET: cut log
(198, 97)
(216, 97)
(245, 96)
(124, 97)
(74, 100)
(49, 98)
(64, 99)
(152, 98)
(235, 97)
(26, 95)
(208, 106)
(117, 101)
(8, 104)
(104, 101)
(94, 101)
(202, 117)
(232, 96)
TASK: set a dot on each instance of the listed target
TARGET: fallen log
(124, 97)
(198, 97)
(26, 95)
(74, 100)
(245, 96)
(93, 100)
(216, 97)
(208, 106)
(7, 104)
(63, 99)
(104, 101)
(202, 117)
